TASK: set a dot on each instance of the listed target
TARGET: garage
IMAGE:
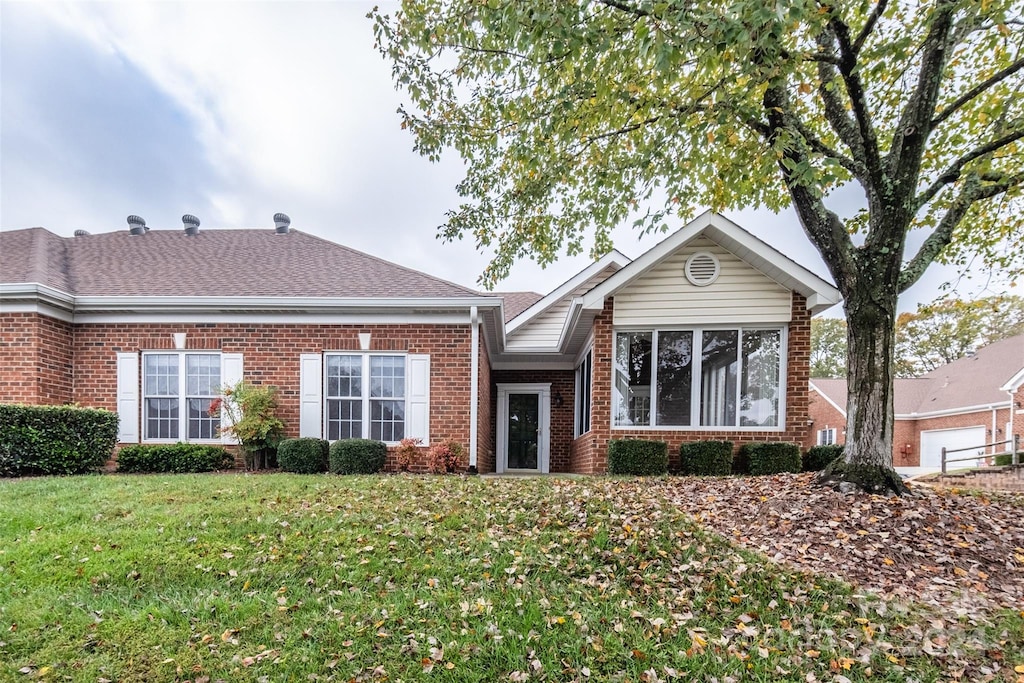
(933, 441)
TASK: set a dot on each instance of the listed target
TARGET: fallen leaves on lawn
(953, 551)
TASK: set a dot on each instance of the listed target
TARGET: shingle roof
(966, 382)
(239, 262)
(517, 302)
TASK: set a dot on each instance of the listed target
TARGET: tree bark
(871, 331)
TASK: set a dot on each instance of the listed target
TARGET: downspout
(1010, 428)
(474, 384)
(995, 434)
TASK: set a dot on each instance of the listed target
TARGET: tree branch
(977, 90)
(869, 26)
(953, 172)
(973, 191)
(822, 226)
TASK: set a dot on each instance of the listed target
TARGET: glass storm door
(523, 431)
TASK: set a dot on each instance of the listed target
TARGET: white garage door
(934, 440)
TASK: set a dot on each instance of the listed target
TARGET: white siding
(663, 295)
(545, 330)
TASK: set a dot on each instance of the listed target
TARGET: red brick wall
(36, 359)
(590, 455)
(271, 356)
(825, 416)
(562, 385)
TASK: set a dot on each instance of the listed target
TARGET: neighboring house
(707, 335)
(971, 402)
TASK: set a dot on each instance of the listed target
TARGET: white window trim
(695, 386)
(823, 434)
(182, 399)
(365, 398)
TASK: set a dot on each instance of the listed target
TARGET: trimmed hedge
(357, 456)
(706, 458)
(637, 456)
(303, 456)
(173, 457)
(818, 458)
(54, 439)
(1007, 458)
(767, 458)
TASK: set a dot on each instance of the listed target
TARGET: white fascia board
(1014, 382)
(572, 318)
(35, 292)
(827, 399)
(719, 229)
(612, 258)
(154, 304)
(962, 410)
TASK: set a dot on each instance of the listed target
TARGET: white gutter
(474, 384)
(234, 303)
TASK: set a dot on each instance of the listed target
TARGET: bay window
(713, 378)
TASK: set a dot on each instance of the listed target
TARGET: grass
(291, 577)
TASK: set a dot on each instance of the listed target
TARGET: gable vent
(702, 269)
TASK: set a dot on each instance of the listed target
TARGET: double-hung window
(715, 378)
(827, 437)
(177, 389)
(365, 396)
(584, 373)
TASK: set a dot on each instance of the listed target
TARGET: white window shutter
(128, 398)
(311, 395)
(230, 375)
(417, 413)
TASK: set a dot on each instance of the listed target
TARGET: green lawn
(285, 577)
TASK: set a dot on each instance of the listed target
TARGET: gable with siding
(663, 296)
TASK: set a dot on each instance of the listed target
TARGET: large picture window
(177, 391)
(700, 378)
(365, 397)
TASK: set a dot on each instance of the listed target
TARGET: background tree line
(933, 335)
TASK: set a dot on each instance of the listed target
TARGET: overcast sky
(233, 111)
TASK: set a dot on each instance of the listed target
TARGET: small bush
(406, 452)
(303, 456)
(767, 458)
(54, 439)
(445, 457)
(818, 458)
(176, 458)
(636, 456)
(357, 456)
(706, 458)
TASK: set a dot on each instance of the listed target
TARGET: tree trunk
(867, 458)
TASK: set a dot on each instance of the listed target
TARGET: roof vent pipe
(136, 225)
(191, 224)
(281, 223)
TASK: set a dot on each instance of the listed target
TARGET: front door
(523, 431)
(524, 416)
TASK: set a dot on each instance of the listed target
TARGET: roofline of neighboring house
(827, 398)
(772, 263)
(1015, 382)
(961, 410)
(614, 257)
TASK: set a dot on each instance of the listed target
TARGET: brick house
(150, 323)
(971, 402)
